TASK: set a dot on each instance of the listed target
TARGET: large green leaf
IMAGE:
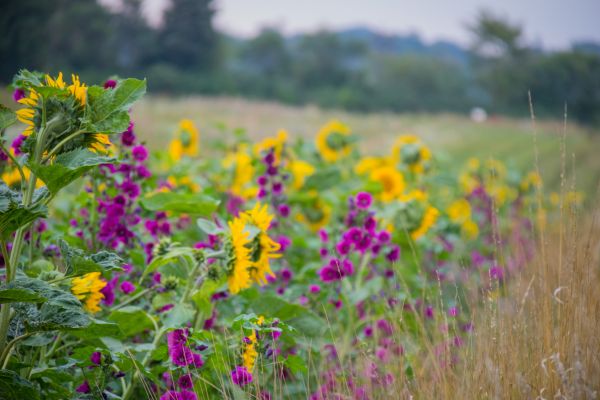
(132, 320)
(196, 203)
(78, 263)
(19, 295)
(13, 214)
(60, 310)
(67, 167)
(7, 117)
(13, 387)
(108, 109)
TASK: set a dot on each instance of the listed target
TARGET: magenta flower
(394, 254)
(127, 287)
(18, 94)
(140, 153)
(96, 358)
(364, 200)
(185, 381)
(110, 84)
(183, 395)
(241, 376)
(83, 388)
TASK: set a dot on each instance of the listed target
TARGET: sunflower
(368, 164)
(87, 289)
(409, 150)
(186, 141)
(334, 141)
(239, 256)
(316, 215)
(300, 171)
(243, 172)
(250, 354)
(263, 248)
(459, 211)
(391, 181)
(429, 218)
(275, 143)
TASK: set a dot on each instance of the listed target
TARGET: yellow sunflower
(334, 142)
(250, 354)
(409, 150)
(239, 256)
(276, 143)
(243, 172)
(391, 181)
(368, 164)
(300, 171)
(27, 115)
(264, 248)
(87, 289)
(429, 218)
(459, 211)
(316, 216)
(186, 141)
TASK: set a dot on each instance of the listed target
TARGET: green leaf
(7, 117)
(295, 363)
(132, 320)
(13, 387)
(19, 295)
(172, 255)
(67, 167)
(178, 316)
(60, 311)
(209, 227)
(108, 109)
(13, 215)
(196, 203)
(323, 179)
(78, 263)
(97, 329)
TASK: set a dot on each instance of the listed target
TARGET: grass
(452, 137)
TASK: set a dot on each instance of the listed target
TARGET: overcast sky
(552, 23)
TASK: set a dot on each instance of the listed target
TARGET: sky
(553, 24)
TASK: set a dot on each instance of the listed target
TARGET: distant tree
(187, 37)
(495, 37)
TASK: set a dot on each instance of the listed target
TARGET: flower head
(263, 247)
(334, 141)
(88, 289)
(241, 376)
(239, 256)
(186, 141)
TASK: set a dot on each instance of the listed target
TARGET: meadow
(200, 248)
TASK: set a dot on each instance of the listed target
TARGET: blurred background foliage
(356, 69)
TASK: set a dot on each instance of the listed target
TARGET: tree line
(185, 54)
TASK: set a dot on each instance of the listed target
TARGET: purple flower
(143, 172)
(241, 376)
(347, 267)
(496, 273)
(18, 94)
(185, 381)
(353, 235)
(127, 287)
(262, 180)
(183, 395)
(284, 243)
(368, 331)
(370, 225)
(364, 200)
(323, 235)
(429, 312)
(96, 358)
(384, 326)
(197, 360)
(384, 236)
(83, 388)
(140, 153)
(286, 274)
(314, 288)
(453, 311)
(128, 137)
(284, 210)
(393, 254)
(277, 188)
(16, 144)
(110, 84)
(331, 272)
(343, 247)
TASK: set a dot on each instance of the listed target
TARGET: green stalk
(18, 242)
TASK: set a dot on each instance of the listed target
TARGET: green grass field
(451, 136)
